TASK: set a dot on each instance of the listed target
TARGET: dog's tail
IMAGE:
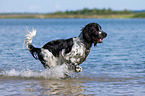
(28, 41)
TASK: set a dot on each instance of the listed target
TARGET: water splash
(56, 73)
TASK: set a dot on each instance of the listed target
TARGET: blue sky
(46, 6)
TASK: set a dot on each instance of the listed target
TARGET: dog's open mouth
(100, 40)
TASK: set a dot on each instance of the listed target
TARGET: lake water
(115, 67)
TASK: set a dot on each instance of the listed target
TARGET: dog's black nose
(104, 34)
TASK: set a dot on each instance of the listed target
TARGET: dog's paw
(78, 69)
(66, 76)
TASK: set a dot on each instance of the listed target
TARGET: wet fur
(71, 52)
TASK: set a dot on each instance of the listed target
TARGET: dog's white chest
(78, 53)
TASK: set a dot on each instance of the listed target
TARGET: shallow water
(115, 67)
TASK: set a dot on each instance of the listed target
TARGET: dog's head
(92, 33)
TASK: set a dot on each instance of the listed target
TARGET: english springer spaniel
(71, 52)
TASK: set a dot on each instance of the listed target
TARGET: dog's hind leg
(40, 56)
(45, 65)
(37, 54)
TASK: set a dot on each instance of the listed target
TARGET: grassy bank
(69, 16)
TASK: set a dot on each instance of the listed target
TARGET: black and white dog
(71, 52)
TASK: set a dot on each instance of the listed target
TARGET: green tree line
(94, 11)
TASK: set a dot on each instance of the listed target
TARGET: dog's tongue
(100, 40)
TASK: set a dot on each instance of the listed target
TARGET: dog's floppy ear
(86, 34)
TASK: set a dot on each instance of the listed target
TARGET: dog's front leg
(78, 69)
(75, 67)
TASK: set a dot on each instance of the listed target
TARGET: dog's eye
(100, 33)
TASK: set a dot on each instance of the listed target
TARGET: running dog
(71, 52)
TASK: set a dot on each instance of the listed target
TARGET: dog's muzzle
(102, 35)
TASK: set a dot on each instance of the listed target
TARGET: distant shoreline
(14, 16)
(45, 16)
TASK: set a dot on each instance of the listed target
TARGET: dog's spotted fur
(71, 52)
